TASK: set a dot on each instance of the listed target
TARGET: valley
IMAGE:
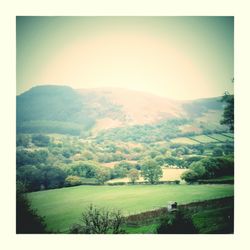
(121, 149)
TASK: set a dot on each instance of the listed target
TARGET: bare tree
(99, 221)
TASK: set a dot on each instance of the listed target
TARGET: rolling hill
(61, 109)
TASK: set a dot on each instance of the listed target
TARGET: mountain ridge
(105, 108)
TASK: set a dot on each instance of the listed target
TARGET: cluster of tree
(208, 168)
(228, 114)
(90, 170)
(169, 161)
(37, 172)
(41, 177)
(22, 140)
(40, 140)
(36, 157)
(85, 169)
(110, 157)
(164, 130)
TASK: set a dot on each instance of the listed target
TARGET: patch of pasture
(63, 207)
(184, 140)
(221, 137)
(229, 135)
(204, 139)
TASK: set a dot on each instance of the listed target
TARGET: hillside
(139, 107)
(61, 109)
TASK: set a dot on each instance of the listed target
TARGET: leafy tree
(118, 172)
(104, 157)
(133, 175)
(217, 152)
(72, 180)
(228, 114)
(117, 157)
(199, 168)
(125, 165)
(153, 154)
(83, 169)
(160, 160)
(111, 148)
(102, 174)
(199, 148)
(218, 166)
(196, 171)
(66, 153)
(24, 157)
(88, 155)
(22, 140)
(189, 160)
(99, 221)
(228, 148)
(40, 140)
(174, 161)
(52, 177)
(190, 176)
(30, 176)
(208, 168)
(151, 171)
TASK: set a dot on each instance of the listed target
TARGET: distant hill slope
(52, 109)
(139, 107)
(61, 109)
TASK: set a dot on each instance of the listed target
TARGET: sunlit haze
(176, 57)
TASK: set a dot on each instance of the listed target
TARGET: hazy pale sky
(176, 57)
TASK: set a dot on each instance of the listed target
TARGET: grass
(210, 218)
(63, 207)
(229, 135)
(145, 229)
(214, 220)
(221, 137)
(218, 137)
(184, 140)
(204, 139)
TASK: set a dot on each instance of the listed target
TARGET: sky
(175, 57)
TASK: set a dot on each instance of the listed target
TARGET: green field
(62, 207)
(217, 137)
(204, 139)
(229, 135)
(184, 140)
(221, 137)
(214, 220)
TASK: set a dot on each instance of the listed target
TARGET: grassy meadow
(63, 207)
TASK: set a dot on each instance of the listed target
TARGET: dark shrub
(177, 222)
(27, 220)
